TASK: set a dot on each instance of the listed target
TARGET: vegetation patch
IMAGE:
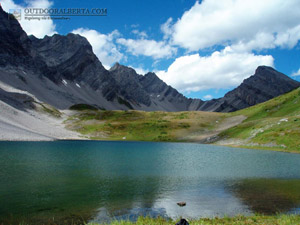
(237, 220)
(274, 124)
(83, 107)
(139, 125)
(49, 109)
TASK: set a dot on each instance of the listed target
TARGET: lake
(75, 181)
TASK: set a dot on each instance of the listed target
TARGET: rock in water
(182, 222)
(181, 204)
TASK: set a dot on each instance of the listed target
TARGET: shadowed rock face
(13, 41)
(128, 80)
(63, 71)
(15, 46)
(264, 85)
(73, 59)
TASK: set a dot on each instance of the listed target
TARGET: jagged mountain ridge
(264, 85)
(63, 71)
(73, 59)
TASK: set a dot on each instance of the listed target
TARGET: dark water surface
(74, 181)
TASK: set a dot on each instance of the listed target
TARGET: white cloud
(141, 34)
(296, 73)
(151, 48)
(38, 28)
(166, 28)
(207, 97)
(103, 45)
(246, 24)
(139, 70)
(225, 69)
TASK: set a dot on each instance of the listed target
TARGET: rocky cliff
(63, 71)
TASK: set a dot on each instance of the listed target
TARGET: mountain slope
(24, 118)
(53, 75)
(63, 71)
(73, 59)
(274, 124)
(264, 85)
(128, 81)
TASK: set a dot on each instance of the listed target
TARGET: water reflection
(269, 196)
(74, 182)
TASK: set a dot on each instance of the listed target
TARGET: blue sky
(203, 49)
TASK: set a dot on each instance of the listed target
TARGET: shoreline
(175, 141)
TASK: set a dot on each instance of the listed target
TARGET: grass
(274, 124)
(237, 220)
(142, 126)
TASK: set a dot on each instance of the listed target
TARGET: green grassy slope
(141, 126)
(274, 124)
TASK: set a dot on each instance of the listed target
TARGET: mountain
(73, 59)
(148, 91)
(63, 71)
(264, 85)
(273, 124)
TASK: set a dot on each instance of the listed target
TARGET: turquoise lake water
(77, 181)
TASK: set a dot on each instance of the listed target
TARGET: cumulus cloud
(32, 27)
(152, 48)
(245, 24)
(223, 69)
(296, 73)
(103, 45)
(166, 28)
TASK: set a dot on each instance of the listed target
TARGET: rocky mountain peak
(128, 80)
(57, 49)
(72, 56)
(125, 70)
(116, 66)
(14, 43)
(266, 72)
(265, 84)
(68, 65)
(262, 69)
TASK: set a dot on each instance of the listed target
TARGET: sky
(201, 48)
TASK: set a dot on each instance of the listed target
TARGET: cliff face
(63, 71)
(131, 88)
(14, 46)
(73, 59)
(264, 85)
